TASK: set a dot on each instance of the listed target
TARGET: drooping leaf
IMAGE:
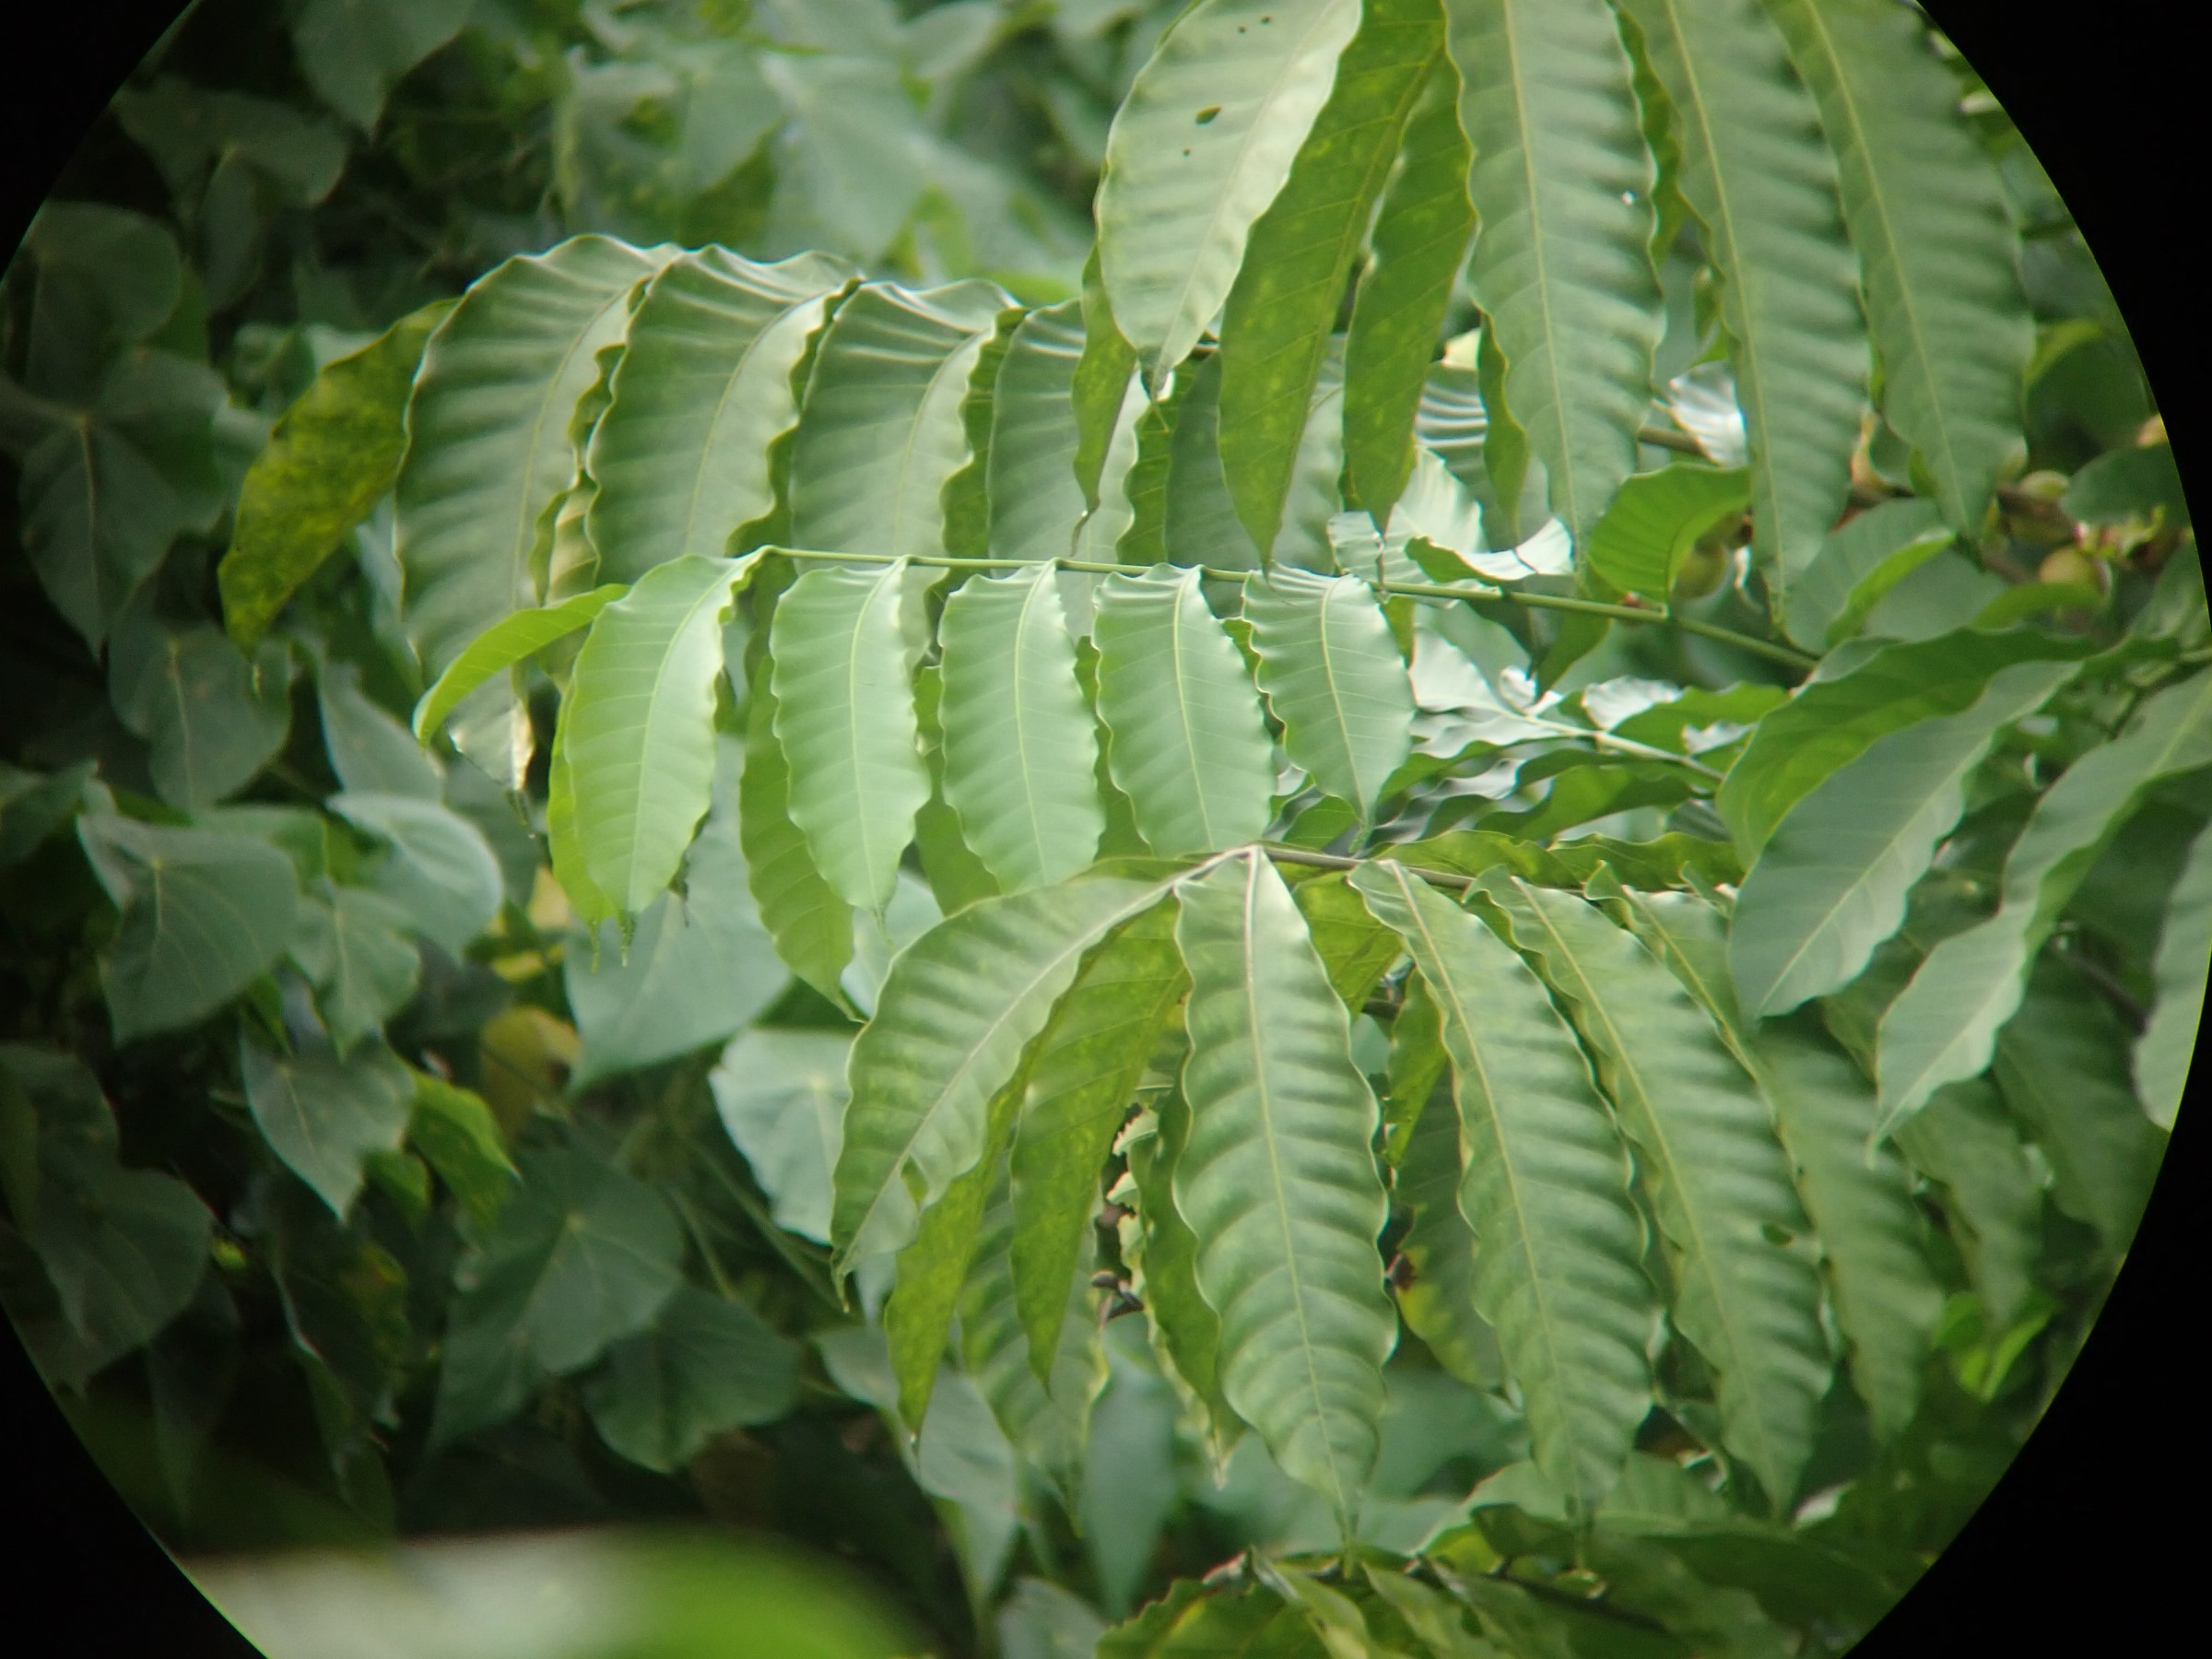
(1333, 677)
(2162, 1053)
(1832, 721)
(957, 878)
(1439, 1304)
(353, 945)
(1021, 745)
(1556, 1269)
(1047, 1418)
(1194, 511)
(1858, 564)
(1944, 1026)
(844, 719)
(641, 725)
(435, 864)
(932, 1268)
(1356, 950)
(1104, 385)
(699, 966)
(328, 459)
(1279, 1183)
(2061, 1065)
(1163, 1253)
(1088, 1063)
(202, 914)
(1419, 244)
(1747, 1292)
(1201, 145)
(883, 432)
(581, 1257)
(1939, 256)
(1561, 186)
(705, 1365)
(812, 926)
(958, 1010)
(212, 716)
(1036, 498)
(1187, 743)
(501, 646)
(489, 448)
(781, 1095)
(1883, 1289)
(700, 399)
(1298, 254)
(324, 1116)
(1641, 542)
(1831, 882)
(1762, 183)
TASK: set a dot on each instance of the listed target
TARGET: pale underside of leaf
(1334, 676)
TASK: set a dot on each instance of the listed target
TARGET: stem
(1682, 443)
(1787, 655)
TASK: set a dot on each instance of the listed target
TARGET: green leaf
(501, 646)
(212, 717)
(1645, 534)
(701, 396)
(1831, 885)
(932, 1268)
(33, 807)
(2123, 484)
(1417, 247)
(454, 1130)
(1354, 948)
(1190, 1624)
(1556, 1269)
(354, 946)
(1186, 741)
(1872, 1253)
(1202, 143)
(1104, 383)
(1130, 1486)
(812, 926)
(706, 1365)
(354, 52)
(1047, 1419)
(641, 725)
(330, 456)
(436, 866)
(1762, 184)
(1021, 745)
(2061, 1065)
(883, 431)
(582, 1256)
(1747, 1292)
(699, 966)
(1196, 515)
(1561, 186)
(1440, 1305)
(959, 1007)
(2178, 968)
(1832, 720)
(1937, 253)
(1333, 677)
(782, 1098)
(1036, 496)
(488, 445)
(324, 1116)
(845, 717)
(1162, 1254)
(203, 914)
(1861, 560)
(1085, 1071)
(1298, 257)
(955, 877)
(1279, 1183)
(1944, 1027)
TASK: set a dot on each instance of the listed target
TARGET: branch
(1470, 591)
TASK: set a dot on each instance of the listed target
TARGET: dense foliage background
(257, 1334)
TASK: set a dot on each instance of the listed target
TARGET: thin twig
(1474, 590)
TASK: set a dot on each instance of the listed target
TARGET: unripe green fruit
(1704, 570)
(2072, 565)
